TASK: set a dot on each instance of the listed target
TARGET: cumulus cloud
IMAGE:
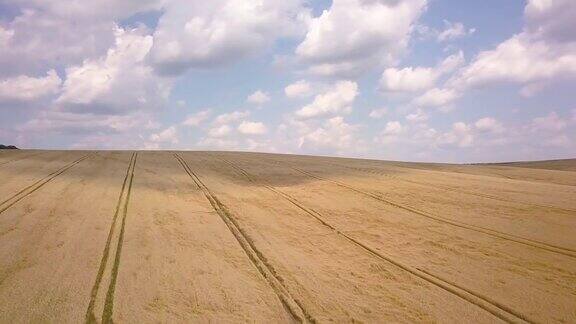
(520, 59)
(417, 116)
(411, 79)
(338, 99)
(393, 128)
(298, 89)
(353, 35)
(544, 51)
(252, 128)
(489, 124)
(551, 122)
(118, 82)
(334, 135)
(407, 79)
(195, 34)
(551, 19)
(26, 88)
(61, 122)
(220, 131)
(230, 117)
(393, 132)
(378, 113)
(436, 97)
(168, 135)
(197, 119)
(93, 10)
(460, 135)
(453, 31)
(115, 95)
(258, 97)
(31, 45)
(28, 40)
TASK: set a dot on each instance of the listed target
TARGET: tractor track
(491, 175)
(446, 188)
(494, 233)
(25, 192)
(121, 210)
(276, 282)
(495, 308)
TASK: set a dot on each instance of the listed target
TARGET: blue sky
(417, 80)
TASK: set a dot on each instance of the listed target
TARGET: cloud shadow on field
(281, 170)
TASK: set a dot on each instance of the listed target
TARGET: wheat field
(142, 236)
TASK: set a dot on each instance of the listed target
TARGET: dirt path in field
(102, 237)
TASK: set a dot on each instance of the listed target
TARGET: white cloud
(298, 89)
(544, 51)
(200, 34)
(520, 59)
(453, 31)
(78, 124)
(489, 124)
(551, 19)
(407, 79)
(393, 128)
(6, 36)
(417, 116)
(28, 40)
(378, 113)
(169, 135)
(230, 117)
(220, 143)
(25, 88)
(93, 10)
(118, 82)
(197, 118)
(551, 123)
(258, 97)
(334, 135)
(436, 97)
(220, 131)
(411, 79)
(337, 99)
(461, 135)
(252, 128)
(353, 35)
(108, 93)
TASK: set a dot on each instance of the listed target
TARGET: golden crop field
(102, 236)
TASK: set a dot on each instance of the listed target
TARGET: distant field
(89, 236)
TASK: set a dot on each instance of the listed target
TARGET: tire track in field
(494, 233)
(292, 305)
(493, 307)
(37, 185)
(117, 235)
(446, 188)
(20, 158)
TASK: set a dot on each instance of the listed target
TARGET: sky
(411, 80)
